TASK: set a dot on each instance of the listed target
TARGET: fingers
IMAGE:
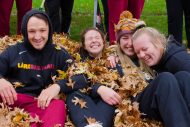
(113, 64)
(44, 100)
(3, 97)
(48, 102)
(9, 96)
(7, 92)
(112, 61)
(14, 94)
(114, 99)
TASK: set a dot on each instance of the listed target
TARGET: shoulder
(14, 49)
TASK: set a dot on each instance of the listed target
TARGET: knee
(166, 81)
(72, 96)
(182, 75)
(165, 77)
(58, 104)
(183, 79)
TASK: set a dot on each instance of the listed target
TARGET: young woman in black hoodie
(164, 94)
(32, 64)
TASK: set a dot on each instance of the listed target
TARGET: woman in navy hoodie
(100, 103)
(32, 64)
(164, 55)
(162, 96)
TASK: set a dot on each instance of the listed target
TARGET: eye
(31, 31)
(144, 49)
(97, 37)
(88, 39)
(42, 30)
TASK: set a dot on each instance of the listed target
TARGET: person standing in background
(116, 7)
(105, 8)
(175, 10)
(5, 11)
(60, 20)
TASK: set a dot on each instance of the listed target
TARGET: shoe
(94, 125)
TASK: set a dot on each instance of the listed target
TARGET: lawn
(154, 14)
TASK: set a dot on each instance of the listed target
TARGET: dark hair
(42, 17)
(95, 29)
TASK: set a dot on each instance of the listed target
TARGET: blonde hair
(156, 38)
(126, 60)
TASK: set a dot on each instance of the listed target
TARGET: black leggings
(96, 108)
(163, 100)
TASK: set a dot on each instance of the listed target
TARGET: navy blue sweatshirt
(175, 58)
(85, 55)
(34, 68)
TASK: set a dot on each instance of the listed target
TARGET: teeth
(95, 46)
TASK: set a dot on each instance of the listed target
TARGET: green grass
(154, 14)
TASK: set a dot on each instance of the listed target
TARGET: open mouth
(94, 46)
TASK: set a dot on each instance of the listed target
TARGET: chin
(129, 54)
(150, 64)
(38, 48)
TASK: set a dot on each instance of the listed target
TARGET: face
(93, 43)
(146, 51)
(126, 45)
(37, 32)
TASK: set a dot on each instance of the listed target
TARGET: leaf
(69, 61)
(61, 75)
(17, 118)
(17, 84)
(77, 57)
(57, 47)
(80, 102)
(57, 125)
(91, 120)
(70, 83)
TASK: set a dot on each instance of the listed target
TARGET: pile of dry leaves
(127, 113)
(15, 117)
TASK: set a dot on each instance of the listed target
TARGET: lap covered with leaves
(127, 112)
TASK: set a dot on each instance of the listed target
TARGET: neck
(96, 55)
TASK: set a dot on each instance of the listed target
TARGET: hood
(173, 47)
(24, 28)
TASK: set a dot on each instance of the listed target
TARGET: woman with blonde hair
(163, 96)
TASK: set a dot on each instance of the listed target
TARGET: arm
(178, 62)
(109, 95)
(80, 81)
(7, 91)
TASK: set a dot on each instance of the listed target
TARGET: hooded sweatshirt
(174, 59)
(31, 67)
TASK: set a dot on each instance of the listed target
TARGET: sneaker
(94, 125)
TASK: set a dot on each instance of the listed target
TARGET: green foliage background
(154, 14)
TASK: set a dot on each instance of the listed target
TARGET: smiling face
(37, 30)
(146, 51)
(93, 43)
(126, 45)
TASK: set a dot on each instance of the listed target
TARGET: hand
(113, 61)
(109, 95)
(47, 95)
(7, 92)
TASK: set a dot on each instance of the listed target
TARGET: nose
(141, 54)
(37, 35)
(94, 39)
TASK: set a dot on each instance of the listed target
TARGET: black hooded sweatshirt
(174, 59)
(33, 68)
